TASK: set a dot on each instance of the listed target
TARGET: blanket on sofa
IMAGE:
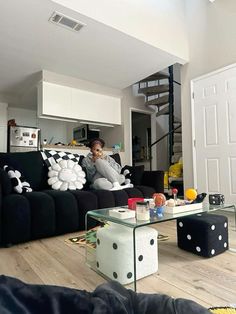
(109, 298)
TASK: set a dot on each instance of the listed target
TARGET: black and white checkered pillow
(51, 157)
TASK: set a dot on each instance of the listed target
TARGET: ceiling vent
(65, 21)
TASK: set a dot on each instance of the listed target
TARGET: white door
(214, 116)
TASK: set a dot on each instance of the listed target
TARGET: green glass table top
(103, 214)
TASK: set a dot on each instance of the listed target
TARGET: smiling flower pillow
(66, 175)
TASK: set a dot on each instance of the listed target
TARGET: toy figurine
(200, 198)
(160, 201)
(175, 192)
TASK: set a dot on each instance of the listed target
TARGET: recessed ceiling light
(65, 21)
(212, 1)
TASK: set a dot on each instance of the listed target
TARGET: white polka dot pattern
(189, 237)
(209, 239)
(198, 249)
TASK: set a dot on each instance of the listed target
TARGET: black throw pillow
(136, 174)
(116, 157)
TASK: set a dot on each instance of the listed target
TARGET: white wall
(49, 128)
(162, 21)
(113, 136)
(212, 45)
(132, 101)
(177, 91)
(3, 127)
(162, 146)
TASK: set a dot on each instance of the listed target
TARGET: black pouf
(203, 234)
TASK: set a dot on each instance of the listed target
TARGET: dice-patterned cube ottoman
(115, 254)
(203, 234)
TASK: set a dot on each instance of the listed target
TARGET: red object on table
(132, 202)
(174, 191)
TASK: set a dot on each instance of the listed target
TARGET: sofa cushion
(86, 201)
(30, 164)
(43, 219)
(105, 198)
(147, 191)
(66, 209)
(154, 179)
(133, 192)
(120, 197)
(136, 173)
(16, 221)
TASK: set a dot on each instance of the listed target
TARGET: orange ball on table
(191, 194)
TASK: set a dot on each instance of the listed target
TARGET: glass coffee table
(102, 216)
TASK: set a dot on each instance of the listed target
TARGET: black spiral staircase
(158, 89)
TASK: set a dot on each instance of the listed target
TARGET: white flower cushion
(66, 175)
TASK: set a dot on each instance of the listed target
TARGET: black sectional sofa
(46, 212)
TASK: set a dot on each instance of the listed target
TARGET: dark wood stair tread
(153, 90)
(160, 101)
(155, 77)
(163, 111)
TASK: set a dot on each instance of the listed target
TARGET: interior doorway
(141, 138)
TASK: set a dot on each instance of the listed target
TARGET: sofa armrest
(5, 189)
(5, 184)
(154, 179)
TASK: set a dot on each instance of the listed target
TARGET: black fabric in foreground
(109, 298)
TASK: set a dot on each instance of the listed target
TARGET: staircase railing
(171, 111)
(160, 139)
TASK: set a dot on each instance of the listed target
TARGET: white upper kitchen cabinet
(67, 103)
(54, 100)
(95, 107)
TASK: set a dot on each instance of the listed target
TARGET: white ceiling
(98, 53)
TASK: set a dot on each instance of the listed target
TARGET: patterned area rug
(162, 237)
(89, 238)
(223, 310)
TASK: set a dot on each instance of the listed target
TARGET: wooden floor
(210, 282)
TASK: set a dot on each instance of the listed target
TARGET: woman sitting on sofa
(102, 170)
